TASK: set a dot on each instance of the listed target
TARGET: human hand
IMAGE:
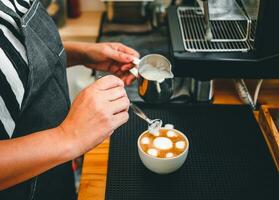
(96, 112)
(114, 58)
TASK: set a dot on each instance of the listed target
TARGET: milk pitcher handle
(135, 70)
(136, 61)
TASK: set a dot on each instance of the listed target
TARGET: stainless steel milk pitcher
(155, 78)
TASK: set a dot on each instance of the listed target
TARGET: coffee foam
(169, 126)
(145, 140)
(162, 143)
(180, 144)
(155, 127)
(169, 155)
(152, 152)
(171, 134)
(154, 73)
(154, 131)
(162, 146)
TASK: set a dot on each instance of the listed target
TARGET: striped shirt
(13, 65)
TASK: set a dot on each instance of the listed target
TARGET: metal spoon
(153, 124)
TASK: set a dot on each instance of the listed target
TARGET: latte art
(152, 152)
(169, 155)
(171, 134)
(145, 140)
(165, 144)
(180, 145)
(162, 143)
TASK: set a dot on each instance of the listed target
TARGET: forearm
(25, 157)
(75, 53)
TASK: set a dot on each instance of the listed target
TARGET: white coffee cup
(163, 165)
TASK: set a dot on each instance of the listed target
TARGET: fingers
(122, 53)
(114, 68)
(120, 56)
(120, 119)
(108, 82)
(125, 49)
(120, 68)
(115, 93)
(128, 80)
(122, 71)
(119, 105)
(127, 67)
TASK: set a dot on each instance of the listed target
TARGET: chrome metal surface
(244, 93)
(229, 35)
(253, 30)
(152, 123)
(140, 113)
(208, 33)
(202, 91)
(251, 7)
(223, 9)
(155, 91)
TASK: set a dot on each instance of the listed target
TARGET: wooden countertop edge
(99, 173)
(267, 127)
(270, 149)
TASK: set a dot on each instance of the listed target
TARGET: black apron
(46, 102)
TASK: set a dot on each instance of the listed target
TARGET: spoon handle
(139, 113)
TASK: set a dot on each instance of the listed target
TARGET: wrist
(76, 53)
(69, 143)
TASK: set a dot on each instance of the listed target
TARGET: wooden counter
(93, 180)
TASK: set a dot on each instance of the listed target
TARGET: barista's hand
(97, 111)
(115, 58)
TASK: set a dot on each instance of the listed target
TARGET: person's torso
(46, 100)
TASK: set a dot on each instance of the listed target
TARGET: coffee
(167, 143)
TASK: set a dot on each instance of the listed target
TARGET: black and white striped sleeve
(13, 69)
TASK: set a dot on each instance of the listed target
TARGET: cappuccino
(168, 143)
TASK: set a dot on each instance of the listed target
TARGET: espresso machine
(211, 39)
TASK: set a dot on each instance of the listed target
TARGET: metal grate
(228, 35)
(253, 30)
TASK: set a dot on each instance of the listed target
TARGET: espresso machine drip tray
(229, 34)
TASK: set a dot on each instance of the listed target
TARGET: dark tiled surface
(228, 157)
